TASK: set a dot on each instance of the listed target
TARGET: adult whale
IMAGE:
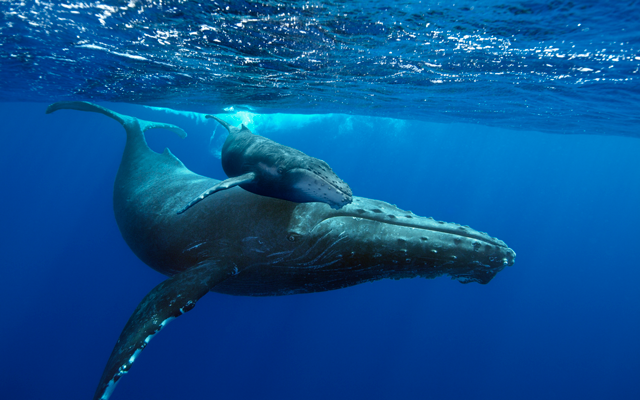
(245, 244)
(267, 168)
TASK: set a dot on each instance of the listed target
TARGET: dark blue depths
(563, 322)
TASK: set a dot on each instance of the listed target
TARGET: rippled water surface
(552, 66)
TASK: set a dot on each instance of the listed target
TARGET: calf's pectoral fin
(168, 300)
(226, 184)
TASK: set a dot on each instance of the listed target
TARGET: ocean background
(498, 131)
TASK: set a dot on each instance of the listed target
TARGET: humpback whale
(302, 247)
(267, 168)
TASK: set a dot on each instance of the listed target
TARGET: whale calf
(267, 168)
(300, 247)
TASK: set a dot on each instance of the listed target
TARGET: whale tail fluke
(86, 106)
(232, 129)
(133, 126)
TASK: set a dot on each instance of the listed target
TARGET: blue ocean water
(543, 157)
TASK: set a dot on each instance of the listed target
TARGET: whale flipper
(168, 300)
(226, 184)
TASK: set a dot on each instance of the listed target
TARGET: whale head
(315, 181)
(302, 179)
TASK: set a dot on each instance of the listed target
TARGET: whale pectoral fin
(235, 181)
(226, 184)
(168, 300)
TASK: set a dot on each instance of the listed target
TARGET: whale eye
(280, 170)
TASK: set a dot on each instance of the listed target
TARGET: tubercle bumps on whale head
(312, 185)
(406, 244)
(324, 171)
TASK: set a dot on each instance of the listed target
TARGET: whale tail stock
(169, 299)
(135, 127)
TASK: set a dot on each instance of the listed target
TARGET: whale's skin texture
(240, 243)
